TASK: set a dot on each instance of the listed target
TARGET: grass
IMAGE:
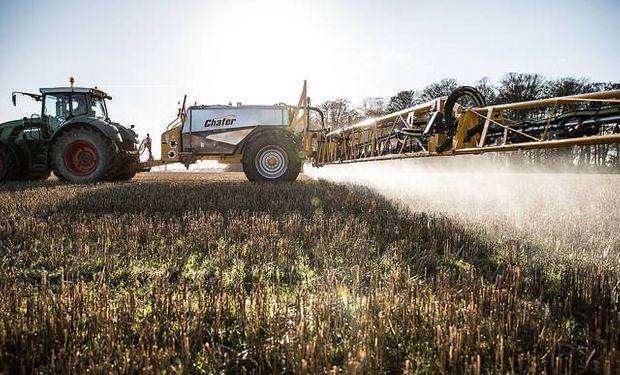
(208, 273)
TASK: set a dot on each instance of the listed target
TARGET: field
(207, 273)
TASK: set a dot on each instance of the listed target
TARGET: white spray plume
(568, 214)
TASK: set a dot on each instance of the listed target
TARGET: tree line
(512, 87)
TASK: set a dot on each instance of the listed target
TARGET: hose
(450, 122)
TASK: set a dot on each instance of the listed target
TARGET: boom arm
(447, 126)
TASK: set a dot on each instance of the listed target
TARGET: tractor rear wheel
(7, 164)
(81, 155)
(271, 157)
(123, 168)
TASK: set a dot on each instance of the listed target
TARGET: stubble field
(208, 273)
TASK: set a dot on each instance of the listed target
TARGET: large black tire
(123, 168)
(7, 164)
(463, 92)
(82, 155)
(271, 157)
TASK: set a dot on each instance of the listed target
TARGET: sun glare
(264, 48)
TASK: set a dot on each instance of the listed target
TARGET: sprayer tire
(271, 157)
(449, 121)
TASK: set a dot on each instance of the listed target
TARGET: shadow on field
(352, 221)
(21, 186)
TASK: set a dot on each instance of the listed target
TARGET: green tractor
(73, 137)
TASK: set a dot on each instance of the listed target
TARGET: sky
(148, 54)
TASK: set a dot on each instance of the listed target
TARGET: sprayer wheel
(271, 157)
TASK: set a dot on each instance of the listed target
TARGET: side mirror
(14, 99)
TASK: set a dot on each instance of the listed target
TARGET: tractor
(73, 137)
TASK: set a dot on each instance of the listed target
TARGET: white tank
(218, 129)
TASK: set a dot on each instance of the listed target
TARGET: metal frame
(393, 137)
(416, 132)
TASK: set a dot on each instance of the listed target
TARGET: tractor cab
(62, 104)
(65, 103)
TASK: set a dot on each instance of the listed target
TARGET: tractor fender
(129, 141)
(262, 130)
(108, 130)
(127, 134)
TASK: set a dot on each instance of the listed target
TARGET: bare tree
(337, 113)
(566, 86)
(402, 99)
(372, 107)
(437, 89)
(519, 87)
(603, 86)
(487, 89)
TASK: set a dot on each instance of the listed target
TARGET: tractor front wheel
(81, 155)
(127, 171)
(7, 164)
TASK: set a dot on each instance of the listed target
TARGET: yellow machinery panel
(171, 145)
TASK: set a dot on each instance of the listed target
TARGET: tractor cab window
(78, 104)
(98, 109)
(57, 109)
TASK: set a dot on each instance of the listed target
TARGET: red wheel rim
(81, 158)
